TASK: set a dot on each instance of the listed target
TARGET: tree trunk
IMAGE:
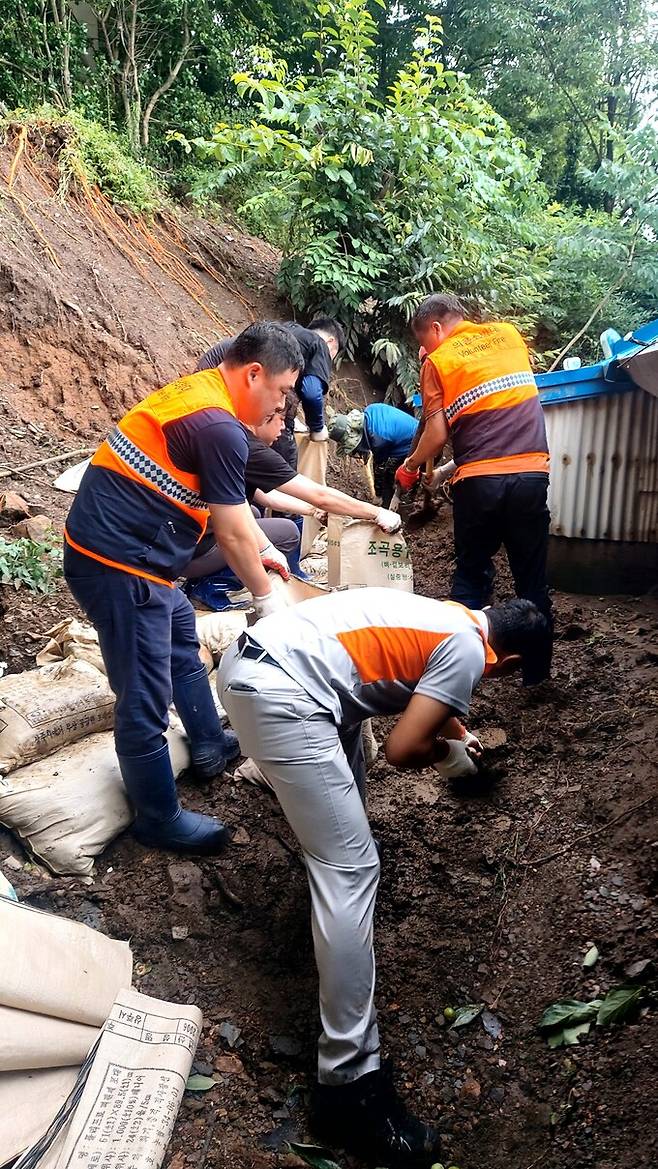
(166, 85)
(611, 110)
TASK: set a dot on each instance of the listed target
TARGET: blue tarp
(607, 377)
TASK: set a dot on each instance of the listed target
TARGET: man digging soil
(297, 688)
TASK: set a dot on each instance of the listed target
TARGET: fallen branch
(6, 472)
(551, 856)
(601, 305)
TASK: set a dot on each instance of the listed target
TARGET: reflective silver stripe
(507, 382)
(133, 457)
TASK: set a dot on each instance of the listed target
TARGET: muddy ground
(491, 898)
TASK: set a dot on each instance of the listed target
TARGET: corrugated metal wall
(604, 467)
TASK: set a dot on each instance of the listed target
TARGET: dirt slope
(489, 898)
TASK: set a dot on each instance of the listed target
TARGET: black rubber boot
(211, 746)
(160, 820)
(368, 1118)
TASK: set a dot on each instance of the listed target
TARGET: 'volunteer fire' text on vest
(491, 401)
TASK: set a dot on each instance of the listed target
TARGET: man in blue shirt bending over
(381, 430)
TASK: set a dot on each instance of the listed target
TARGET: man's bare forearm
(240, 539)
(431, 443)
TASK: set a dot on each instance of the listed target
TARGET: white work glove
(269, 604)
(273, 559)
(457, 762)
(388, 521)
(320, 435)
(472, 743)
(441, 475)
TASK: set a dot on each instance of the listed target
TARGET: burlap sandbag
(128, 1092)
(216, 631)
(294, 590)
(359, 553)
(72, 639)
(66, 809)
(45, 709)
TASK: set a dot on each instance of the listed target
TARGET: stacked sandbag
(67, 808)
(55, 995)
(71, 638)
(51, 707)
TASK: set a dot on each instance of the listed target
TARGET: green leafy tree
(379, 200)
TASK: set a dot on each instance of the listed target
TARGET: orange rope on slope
(22, 138)
(140, 243)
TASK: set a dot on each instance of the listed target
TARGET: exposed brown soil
(492, 897)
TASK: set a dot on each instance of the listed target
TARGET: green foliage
(563, 74)
(379, 201)
(27, 563)
(87, 149)
(564, 1022)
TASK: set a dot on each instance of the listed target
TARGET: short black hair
(519, 627)
(267, 342)
(438, 307)
(332, 327)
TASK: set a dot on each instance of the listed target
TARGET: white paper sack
(68, 808)
(133, 1089)
(59, 967)
(216, 631)
(295, 590)
(359, 553)
(71, 478)
(370, 744)
(316, 567)
(58, 981)
(312, 461)
(28, 1103)
(251, 773)
(42, 710)
(72, 639)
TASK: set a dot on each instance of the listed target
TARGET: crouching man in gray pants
(297, 687)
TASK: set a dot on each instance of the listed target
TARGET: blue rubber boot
(214, 590)
(160, 820)
(212, 747)
(293, 564)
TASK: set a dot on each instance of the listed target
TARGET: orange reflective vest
(490, 400)
(136, 510)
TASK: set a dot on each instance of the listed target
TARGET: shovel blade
(403, 502)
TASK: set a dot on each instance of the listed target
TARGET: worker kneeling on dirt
(478, 388)
(174, 461)
(272, 483)
(297, 687)
(381, 430)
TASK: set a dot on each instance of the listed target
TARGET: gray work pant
(306, 756)
(210, 558)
